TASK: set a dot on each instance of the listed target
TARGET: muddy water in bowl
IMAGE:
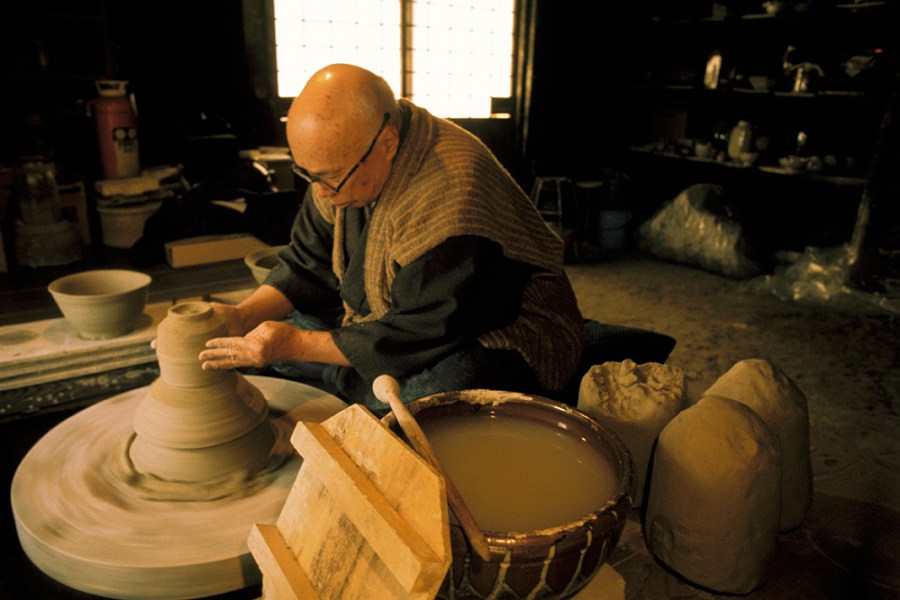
(549, 485)
(511, 470)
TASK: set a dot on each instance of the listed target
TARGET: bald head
(336, 129)
(338, 110)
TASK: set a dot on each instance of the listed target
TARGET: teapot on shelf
(804, 75)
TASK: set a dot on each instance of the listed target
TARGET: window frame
(511, 131)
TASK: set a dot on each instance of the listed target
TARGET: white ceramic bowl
(262, 261)
(103, 303)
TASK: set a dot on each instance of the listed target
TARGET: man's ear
(391, 137)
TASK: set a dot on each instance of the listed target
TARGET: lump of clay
(715, 496)
(195, 425)
(773, 396)
(635, 402)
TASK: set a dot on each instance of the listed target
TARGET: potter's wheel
(88, 528)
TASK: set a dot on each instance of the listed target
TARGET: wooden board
(366, 517)
(50, 350)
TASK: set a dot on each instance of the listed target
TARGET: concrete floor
(843, 354)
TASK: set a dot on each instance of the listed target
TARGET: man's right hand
(268, 343)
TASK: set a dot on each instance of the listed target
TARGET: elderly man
(414, 254)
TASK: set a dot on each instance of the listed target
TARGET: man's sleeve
(303, 273)
(457, 291)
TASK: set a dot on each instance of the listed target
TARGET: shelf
(774, 170)
(23, 292)
(786, 17)
(851, 54)
(43, 16)
(856, 6)
(851, 95)
(12, 78)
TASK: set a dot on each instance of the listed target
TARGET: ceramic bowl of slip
(103, 303)
(550, 487)
(261, 262)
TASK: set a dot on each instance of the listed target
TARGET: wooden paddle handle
(387, 390)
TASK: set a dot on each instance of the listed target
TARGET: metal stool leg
(556, 217)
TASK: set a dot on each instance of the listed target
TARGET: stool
(557, 202)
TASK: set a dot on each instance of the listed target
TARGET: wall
(580, 63)
(184, 61)
(187, 66)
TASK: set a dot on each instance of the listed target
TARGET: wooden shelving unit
(850, 51)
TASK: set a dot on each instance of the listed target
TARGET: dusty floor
(844, 356)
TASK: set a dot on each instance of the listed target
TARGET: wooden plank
(283, 579)
(50, 350)
(409, 559)
(366, 516)
(102, 364)
(409, 483)
(25, 367)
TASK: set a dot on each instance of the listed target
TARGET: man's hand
(270, 342)
(234, 320)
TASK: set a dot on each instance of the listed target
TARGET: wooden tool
(387, 390)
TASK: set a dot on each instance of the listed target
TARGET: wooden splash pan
(366, 518)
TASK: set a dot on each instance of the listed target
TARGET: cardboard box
(211, 248)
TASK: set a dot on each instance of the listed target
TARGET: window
(456, 54)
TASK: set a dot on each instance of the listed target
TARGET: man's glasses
(306, 175)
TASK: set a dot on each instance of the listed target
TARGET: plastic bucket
(614, 229)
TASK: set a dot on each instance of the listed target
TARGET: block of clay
(635, 402)
(773, 396)
(715, 496)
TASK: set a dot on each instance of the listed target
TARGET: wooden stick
(387, 390)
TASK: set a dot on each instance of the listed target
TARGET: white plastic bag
(695, 228)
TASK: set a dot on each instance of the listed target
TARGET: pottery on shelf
(103, 303)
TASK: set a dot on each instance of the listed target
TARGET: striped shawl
(444, 183)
